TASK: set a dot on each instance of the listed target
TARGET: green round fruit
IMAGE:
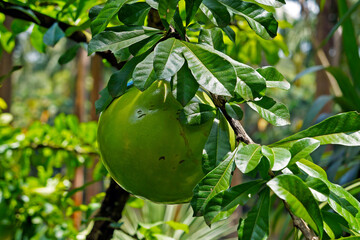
(147, 150)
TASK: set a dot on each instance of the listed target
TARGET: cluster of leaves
(36, 168)
(284, 167)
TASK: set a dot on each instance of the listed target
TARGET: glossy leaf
(118, 81)
(211, 71)
(144, 73)
(332, 224)
(282, 158)
(300, 199)
(212, 37)
(272, 3)
(184, 85)
(248, 157)
(261, 21)
(191, 7)
(272, 111)
(234, 111)
(274, 79)
(53, 35)
(214, 182)
(224, 203)
(178, 24)
(134, 14)
(256, 224)
(104, 100)
(312, 169)
(167, 10)
(342, 129)
(217, 144)
(318, 188)
(105, 15)
(345, 205)
(218, 12)
(197, 113)
(168, 59)
(303, 148)
(144, 45)
(115, 41)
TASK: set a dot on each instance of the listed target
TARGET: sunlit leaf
(248, 157)
(197, 113)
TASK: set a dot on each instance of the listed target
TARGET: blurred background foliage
(48, 124)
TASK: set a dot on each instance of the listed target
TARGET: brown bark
(326, 20)
(5, 67)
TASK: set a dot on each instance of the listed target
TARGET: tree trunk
(5, 67)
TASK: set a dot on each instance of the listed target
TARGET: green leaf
(36, 38)
(315, 109)
(256, 224)
(134, 14)
(219, 15)
(224, 203)
(312, 169)
(248, 157)
(278, 157)
(303, 148)
(104, 101)
(350, 44)
(184, 85)
(342, 129)
(178, 24)
(274, 79)
(250, 84)
(27, 12)
(191, 7)
(332, 225)
(168, 59)
(230, 33)
(105, 15)
(261, 21)
(117, 82)
(234, 111)
(272, 111)
(272, 3)
(53, 35)
(115, 41)
(144, 45)
(217, 144)
(178, 226)
(69, 54)
(300, 199)
(197, 113)
(144, 73)
(19, 26)
(211, 71)
(3, 77)
(167, 10)
(214, 182)
(345, 205)
(318, 188)
(212, 37)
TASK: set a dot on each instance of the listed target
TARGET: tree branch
(242, 136)
(12, 10)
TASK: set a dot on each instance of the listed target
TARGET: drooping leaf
(167, 10)
(272, 111)
(210, 70)
(191, 7)
(53, 35)
(274, 79)
(144, 74)
(168, 59)
(213, 37)
(248, 157)
(214, 182)
(256, 224)
(103, 102)
(230, 33)
(105, 15)
(184, 85)
(115, 41)
(261, 21)
(345, 205)
(178, 24)
(302, 148)
(144, 45)
(319, 188)
(342, 129)
(134, 14)
(299, 198)
(224, 203)
(197, 113)
(234, 111)
(69, 54)
(217, 144)
(118, 81)
(219, 14)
